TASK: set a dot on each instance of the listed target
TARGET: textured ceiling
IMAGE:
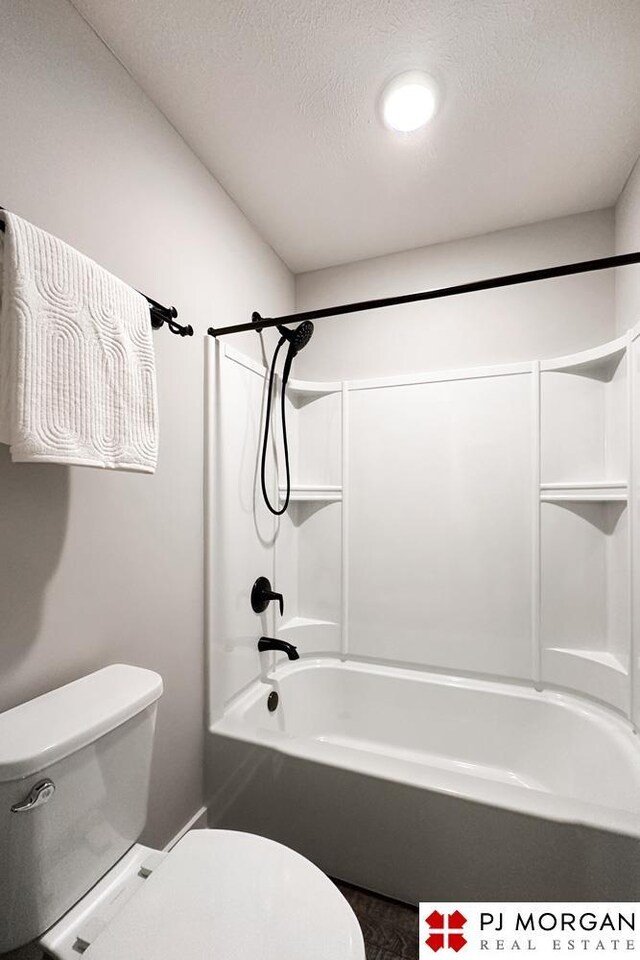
(540, 115)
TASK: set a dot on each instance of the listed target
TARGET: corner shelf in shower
(312, 389)
(310, 493)
(599, 673)
(601, 657)
(593, 491)
(307, 623)
(599, 363)
(312, 635)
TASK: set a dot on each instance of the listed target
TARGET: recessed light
(409, 101)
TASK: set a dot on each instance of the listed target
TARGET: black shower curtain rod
(158, 314)
(549, 273)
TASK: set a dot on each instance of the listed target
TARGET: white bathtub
(423, 786)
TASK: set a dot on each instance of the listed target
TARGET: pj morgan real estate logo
(474, 930)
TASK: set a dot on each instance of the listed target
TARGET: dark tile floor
(390, 929)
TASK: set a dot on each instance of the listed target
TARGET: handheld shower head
(298, 337)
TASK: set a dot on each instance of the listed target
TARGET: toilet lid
(225, 895)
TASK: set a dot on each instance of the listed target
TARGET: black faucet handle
(262, 595)
(279, 598)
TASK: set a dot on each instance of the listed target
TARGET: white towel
(77, 373)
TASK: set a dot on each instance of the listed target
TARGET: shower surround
(457, 572)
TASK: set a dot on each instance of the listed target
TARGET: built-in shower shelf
(310, 493)
(599, 673)
(599, 363)
(601, 657)
(302, 623)
(311, 389)
(311, 635)
(602, 491)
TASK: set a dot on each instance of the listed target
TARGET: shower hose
(265, 443)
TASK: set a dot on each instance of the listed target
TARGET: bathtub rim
(548, 805)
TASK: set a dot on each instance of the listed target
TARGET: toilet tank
(74, 783)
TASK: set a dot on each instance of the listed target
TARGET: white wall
(519, 323)
(101, 567)
(628, 241)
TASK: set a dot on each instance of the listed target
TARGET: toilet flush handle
(41, 793)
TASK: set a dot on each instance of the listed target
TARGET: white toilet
(74, 780)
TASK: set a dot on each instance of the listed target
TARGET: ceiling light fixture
(409, 101)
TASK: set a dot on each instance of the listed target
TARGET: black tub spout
(270, 643)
